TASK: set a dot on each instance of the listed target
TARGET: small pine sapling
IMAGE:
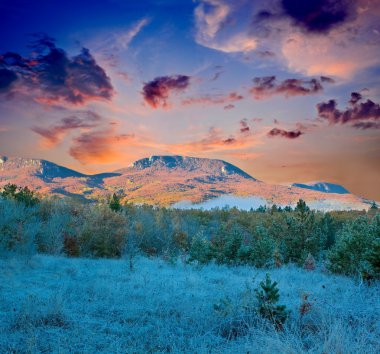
(268, 296)
(115, 203)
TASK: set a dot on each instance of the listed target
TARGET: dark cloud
(53, 135)
(7, 77)
(266, 54)
(267, 86)
(317, 16)
(214, 99)
(366, 125)
(244, 128)
(216, 76)
(355, 98)
(228, 107)
(156, 93)
(359, 111)
(289, 134)
(229, 141)
(327, 79)
(55, 77)
(311, 16)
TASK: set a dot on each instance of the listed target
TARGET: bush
(19, 228)
(20, 194)
(200, 250)
(356, 251)
(103, 233)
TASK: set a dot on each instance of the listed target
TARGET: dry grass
(58, 305)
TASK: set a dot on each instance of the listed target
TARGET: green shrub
(103, 233)
(20, 194)
(200, 249)
(267, 297)
(356, 249)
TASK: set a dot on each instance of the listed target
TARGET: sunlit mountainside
(167, 180)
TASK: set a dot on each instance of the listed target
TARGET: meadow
(51, 304)
(112, 278)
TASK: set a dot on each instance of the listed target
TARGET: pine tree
(115, 204)
(373, 258)
(374, 206)
(268, 297)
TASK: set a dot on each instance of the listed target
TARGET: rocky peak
(208, 166)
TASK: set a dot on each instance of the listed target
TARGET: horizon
(284, 96)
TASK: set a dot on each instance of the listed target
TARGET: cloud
(327, 79)
(229, 107)
(244, 128)
(111, 43)
(215, 99)
(7, 77)
(99, 146)
(216, 76)
(317, 16)
(267, 86)
(214, 141)
(343, 49)
(49, 75)
(211, 17)
(156, 93)
(54, 135)
(361, 114)
(366, 125)
(122, 40)
(289, 134)
(335, 38)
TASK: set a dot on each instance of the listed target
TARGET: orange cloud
(99, 146)
(215, 142)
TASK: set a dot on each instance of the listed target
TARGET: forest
(342, 242)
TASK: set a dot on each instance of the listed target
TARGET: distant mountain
(324, 187)
(217, 169)
(167, 181)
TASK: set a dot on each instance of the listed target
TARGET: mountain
(168, 181)
(324, 187)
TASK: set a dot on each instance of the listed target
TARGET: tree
(302, 209)
(374, 206)
(268, 296)
(354, 244)
(114, 203)
(20, 194)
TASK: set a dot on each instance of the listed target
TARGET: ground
(59, 305)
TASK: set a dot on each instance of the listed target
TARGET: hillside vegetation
(342, 242)
(185, 281)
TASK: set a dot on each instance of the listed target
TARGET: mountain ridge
(161, 180)
(325, 187)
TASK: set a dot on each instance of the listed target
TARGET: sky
(287, 90)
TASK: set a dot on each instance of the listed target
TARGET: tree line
(344, 242)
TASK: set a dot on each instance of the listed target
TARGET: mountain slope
(165, 181)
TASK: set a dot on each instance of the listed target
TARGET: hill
(166, 181)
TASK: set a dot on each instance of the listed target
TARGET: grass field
(61, 305)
